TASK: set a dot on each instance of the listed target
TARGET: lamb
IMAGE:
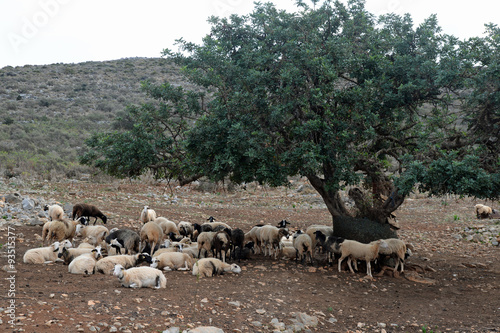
(166, 226)
(147, 215)
(326, 230)
(88, 211)
(303, 246)
(395, 247)
(483, 211)
(186, 229)
(107, 264)
(138, 277)
(208, 267)
(221, 243)
(270, 237)
(55, 212)
(127, 239)
(152, 234)
(61, 230)
(85, 263)
(173, 261)
(205, 241)
(67, 255)
(99, 232)
(42, 255)
(356, 250)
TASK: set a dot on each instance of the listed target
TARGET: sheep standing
(42, 255)
(221, 243)
(483, 211)
(107, 264)
(356, 250)
(152, 234)
(186, 229)
(173, 261)
(88, 211)
(270, 237)
(147, 215)
(254, 236)
(311, 231)
(208, 267)
(166, 226)
(205, 241)
(61, 230)
(99, 232)
(395, 247)
(138, 277)
(55, 212)
(303, 245)
(85, 263)
(237, 242)
(128, 239)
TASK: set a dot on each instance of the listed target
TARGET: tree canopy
(337, 95)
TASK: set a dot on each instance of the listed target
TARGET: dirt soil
(451, 285)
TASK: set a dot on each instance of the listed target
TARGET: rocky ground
(450, 285)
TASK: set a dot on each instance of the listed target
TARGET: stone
(205, 329)
(13, 198)
(28, 204)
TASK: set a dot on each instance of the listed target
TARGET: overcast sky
(36, 32)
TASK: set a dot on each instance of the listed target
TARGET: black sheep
(88, 211)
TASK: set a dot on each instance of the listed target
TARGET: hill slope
(46, 112)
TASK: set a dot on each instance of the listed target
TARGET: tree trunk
(372, 226)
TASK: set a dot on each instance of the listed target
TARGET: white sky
(36, 32)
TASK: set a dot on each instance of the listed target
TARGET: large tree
(345, 99)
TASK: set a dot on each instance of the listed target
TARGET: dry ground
(458, 292)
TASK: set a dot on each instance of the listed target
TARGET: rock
(205, 329)
(34, 222)
(13, 198)
(306, 319)
(236, 304)
(28, 204)
(172, 330)
(260, 311)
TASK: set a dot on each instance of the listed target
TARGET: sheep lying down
(140, 277)
(208, 267)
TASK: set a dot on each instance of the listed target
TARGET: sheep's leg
(368, 269)
(349, 264)
(340, 262)
(167, 269)
(186, 268)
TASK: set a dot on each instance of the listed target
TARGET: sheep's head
(283, 232)
(118, 270)
(56, 246)
(155, 262)
(83, 220)
(235, 269)
(144, 257)
(97, 252)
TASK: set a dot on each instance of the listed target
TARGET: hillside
(46, 112)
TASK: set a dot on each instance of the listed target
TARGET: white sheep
(68, 255)
(205, 241)
(99, 232)
(107, 264)
(152, 234)
(311, 231)
(395, 247)
(166, 226)
(85, 263)
(137, 277)
(186, 229)
(483, 211)
(55, 212)
(354, 250)
(208, 267)
(173, 261)
(147, 215)
(42, 255)
(288, 252)
(303, 246)
(270, 237)
(254, 236)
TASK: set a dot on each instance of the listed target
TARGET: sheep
(173, 261)
(85, 263)
(88, 242)
(254, 236)
(88, 211)
(288, 252)
(55, 212)
(126, 238)
(186, 229)
(237, 241)
(330, 244)
(395, 247)
(67, 255)
(270, 237)
(152, 234)
(99, 232)
(483, 211)
(282, 224)
(45, 230)
(191, 250)
(326, 230)
(147, 215)
(61, 230)
(205, 241)
(211, 222)
(221, 243)
(107, 264)
(167, 226)
(42, 255)
(208, 267)
(243, 253)
(303, 245)
(356, 250)
(138, 277)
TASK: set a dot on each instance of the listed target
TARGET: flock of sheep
(139, 259)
